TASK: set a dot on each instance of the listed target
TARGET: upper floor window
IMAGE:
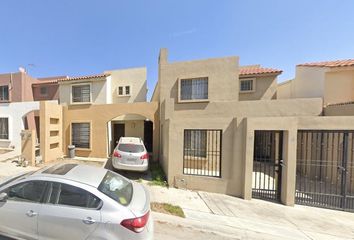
(4, 93)
(81, 93)
(123, 90)
(4, 128)
(43, 91)
(194, 89)
(127, 90)
(247, 85)
(120, 90)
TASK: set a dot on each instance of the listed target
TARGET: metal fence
(202, 152)
(324, 172)
(267, 164)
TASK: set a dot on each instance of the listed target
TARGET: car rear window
(132, 148)
(117, 188)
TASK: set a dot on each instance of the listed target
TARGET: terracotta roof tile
(41, 82)
(244, 71)
(337, 63)
(83, 77)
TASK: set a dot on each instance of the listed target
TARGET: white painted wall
(309, 82)
(99, 90)
(15, 112)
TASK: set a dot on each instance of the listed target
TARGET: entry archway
(130, 125)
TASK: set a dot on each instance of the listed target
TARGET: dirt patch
(167, 209)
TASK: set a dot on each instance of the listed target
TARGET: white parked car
(130, 154)
(71, 201)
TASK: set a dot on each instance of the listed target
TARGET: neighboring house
(46, 89)
(333, 81)
(258, 83)
(19, 109)
(14, 117)
(21, 87)
(124, 87)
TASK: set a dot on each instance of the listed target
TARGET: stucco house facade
(333, 81)
(213, 125)
(105, 92)
(214, 137)
(19, 107)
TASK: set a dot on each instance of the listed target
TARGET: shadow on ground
(129, 174)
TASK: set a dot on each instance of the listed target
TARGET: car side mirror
(3, 197)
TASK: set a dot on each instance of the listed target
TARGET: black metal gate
(267, 165)
(324, 172)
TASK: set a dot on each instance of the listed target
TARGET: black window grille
(202, 152)
(81, 135)
(81, 93)
(246, 85)
(4, 93)
(4, 128)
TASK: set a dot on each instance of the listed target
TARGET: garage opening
(130, 125)
(267, 165)
(325, 169)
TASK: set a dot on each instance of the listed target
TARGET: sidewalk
(10, 169)
(229, 216)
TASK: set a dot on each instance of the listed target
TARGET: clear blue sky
(79, 37)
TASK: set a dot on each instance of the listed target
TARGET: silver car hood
(140, 202)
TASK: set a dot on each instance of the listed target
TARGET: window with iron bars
(4, 93)
(202, 152)
(4, 128)
(81, 94)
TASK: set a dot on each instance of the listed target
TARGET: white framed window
(43, 91)
(81, 93)
(123, 91)
(247, 85)
(4, 93)
(4, 128)
(127, 90)
(120, 91)
(81, 134)
(193, 89)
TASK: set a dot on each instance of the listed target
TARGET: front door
(118, 132)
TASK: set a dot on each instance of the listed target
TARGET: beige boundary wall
(51, 131)
(237, 150)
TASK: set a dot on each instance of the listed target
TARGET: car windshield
(132, 148)
(117, 188)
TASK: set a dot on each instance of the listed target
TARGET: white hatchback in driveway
(71, 201)
(130, 154)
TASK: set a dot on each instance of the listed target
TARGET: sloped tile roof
(244, 71)
(337, 63)
(83, 77)
(41, 82)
